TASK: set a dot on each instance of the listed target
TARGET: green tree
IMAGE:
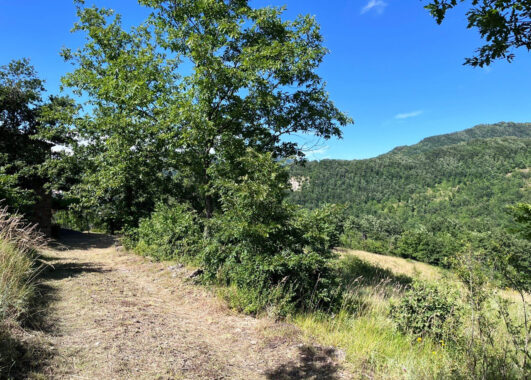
(192, 87)
(504, 24)
(522, 216)
(29, 127)
(272, 252)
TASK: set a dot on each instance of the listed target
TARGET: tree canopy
(192, 87)
(504, 24)
(429, 199)
(29, 126)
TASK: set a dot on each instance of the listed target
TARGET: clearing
(114, 315)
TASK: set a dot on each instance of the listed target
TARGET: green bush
(428, 310)
(434, 248)
(268, 250)
(172, 231)
(71, 220)
(265, 252)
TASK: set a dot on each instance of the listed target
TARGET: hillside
(482, 131)
(430, 193)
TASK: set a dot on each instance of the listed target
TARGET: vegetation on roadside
(18, 270)
(401, 327)
(183, 147)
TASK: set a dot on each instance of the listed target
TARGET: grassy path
(114, 315)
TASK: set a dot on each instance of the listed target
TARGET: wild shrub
(172, 231)
(423, 245)
(428, 309)
(495, 344)
(266, 248)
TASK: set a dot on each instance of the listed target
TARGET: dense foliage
(29, 126)
(271, 254)
(426, 201)
(188, 117)
(188, 90)
(428, 309)
(173, 231)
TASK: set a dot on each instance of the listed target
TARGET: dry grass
(24, 236)
(417, 270)
(373, 347)
(117, 315)
(398, 265)
(18, 246)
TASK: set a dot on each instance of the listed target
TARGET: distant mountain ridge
(423, 201)
(502, 129)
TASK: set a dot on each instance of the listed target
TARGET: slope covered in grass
(378, 344)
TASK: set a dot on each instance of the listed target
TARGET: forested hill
(481, 131)
(441, 188)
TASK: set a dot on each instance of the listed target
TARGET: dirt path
(114, 315)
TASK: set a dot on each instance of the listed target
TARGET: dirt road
(113, 315)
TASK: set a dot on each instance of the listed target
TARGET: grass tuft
(19, 243)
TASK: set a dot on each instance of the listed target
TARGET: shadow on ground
(59, 271)
(314, 363)
(23, 358)
(41, 316)
(356, 270)
(70, 239)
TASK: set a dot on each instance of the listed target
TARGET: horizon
(404, 83)
(419, 141)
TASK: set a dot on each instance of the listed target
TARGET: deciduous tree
(195, 85)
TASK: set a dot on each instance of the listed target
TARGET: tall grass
(362, 329)
(19, 243)
(375, 347)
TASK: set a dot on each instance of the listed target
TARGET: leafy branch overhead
(505, 25)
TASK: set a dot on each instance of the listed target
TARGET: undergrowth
(18, 269)
(397, 327)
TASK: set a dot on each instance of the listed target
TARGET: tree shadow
(41, 316)
(21, 358)
(365, 273)
(70, 239)
(59, 271)
(28, 357)
(313, 363)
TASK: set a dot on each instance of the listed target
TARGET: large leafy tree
(504, 24)
(29, 126)
(192, 87)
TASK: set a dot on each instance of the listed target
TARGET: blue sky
(391, 67)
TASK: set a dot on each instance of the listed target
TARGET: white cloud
(407, 115)
(377, 5)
